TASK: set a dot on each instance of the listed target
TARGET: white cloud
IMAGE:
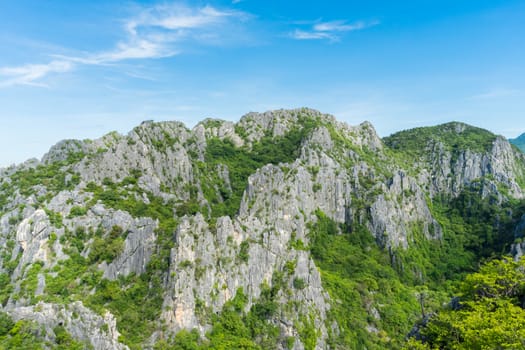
(342, 26)
(311, 35)
(30, 74)
(155, 32)
(330, 30)
(134, 49)
(496, 93)
(162, 31)
(179, 17)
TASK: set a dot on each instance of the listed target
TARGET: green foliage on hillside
(22, 335)
(374, 290)
(519, 142)
(136, 301)
(490, 314)
(127, 196)
(241, 162)
(234, 327)
(107, 248)
(485, 225)
(5, 288)
(473, 229)
(27, 335)
(53, 177)
(359, 276)
(456, 137)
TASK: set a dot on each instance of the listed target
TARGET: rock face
(206, 267)
(197, 228)
(98, 331)
(447, 163)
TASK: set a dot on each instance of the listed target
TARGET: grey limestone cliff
(144, 205)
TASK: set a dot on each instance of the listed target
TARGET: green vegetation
(242, 162)
(6, 324)
(473, 229)
(77, 211)
(519, 142)
(22, 335)
(5, 288)
(485, 225)
(108, 248)
(356, 273)
(377, 293)
(55, 218)
(234, 328)
(136, 301)
(456, 137)
(51, 176)
(490, 313)
(30, 282)
(64, 340)
(244, 251)
(27, 335)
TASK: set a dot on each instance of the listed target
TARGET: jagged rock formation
(455, 155)
(182, 224)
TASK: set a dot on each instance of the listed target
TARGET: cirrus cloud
(329, 30)
(154, 32)
(29, 74)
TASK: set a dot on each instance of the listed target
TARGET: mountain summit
(285, 230)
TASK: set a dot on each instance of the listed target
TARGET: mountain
(285, 230)
(519, 142)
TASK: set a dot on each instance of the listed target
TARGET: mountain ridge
(169, 234)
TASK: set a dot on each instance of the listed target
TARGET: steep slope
(474, 178)
(286, 230)
(451, 156)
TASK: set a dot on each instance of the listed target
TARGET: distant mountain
(519, 142)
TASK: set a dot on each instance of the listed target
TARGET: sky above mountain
(79, 69)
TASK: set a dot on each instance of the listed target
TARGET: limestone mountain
(285, 230)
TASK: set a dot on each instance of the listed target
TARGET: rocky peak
(130, 239)
(454, 155)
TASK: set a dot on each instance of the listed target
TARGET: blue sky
(79, 69)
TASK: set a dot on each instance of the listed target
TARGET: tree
(490, 315)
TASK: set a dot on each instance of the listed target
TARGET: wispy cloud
(30, 74)
(180, 17)
(331, 30)
(496, 93)
(155, 32)
(311, 35)
(162, 31)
